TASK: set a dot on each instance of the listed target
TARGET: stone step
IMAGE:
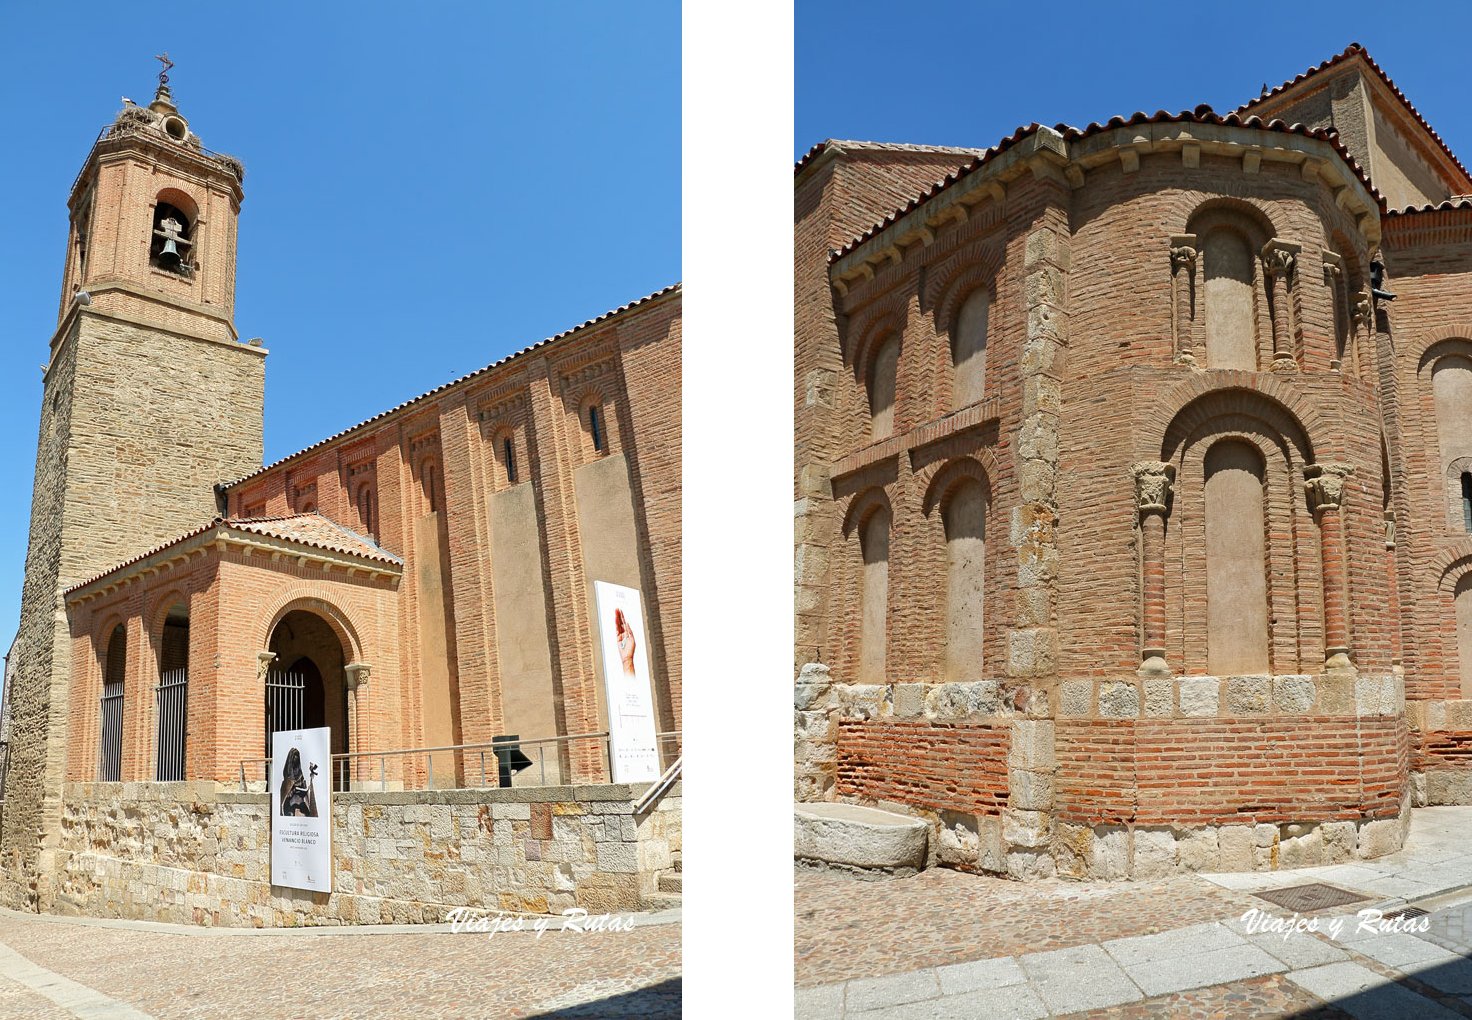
(662, 901)
(859, 837)
(670, 882)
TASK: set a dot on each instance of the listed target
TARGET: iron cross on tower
(163, 75)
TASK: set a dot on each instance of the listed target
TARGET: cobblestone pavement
(136, 970)
(943, 944)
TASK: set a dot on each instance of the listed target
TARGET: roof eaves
(658, 295)
(1201, 115)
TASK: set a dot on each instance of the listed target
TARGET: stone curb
(644, 919)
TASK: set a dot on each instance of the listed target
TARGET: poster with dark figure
(298, 791)
(301, 809)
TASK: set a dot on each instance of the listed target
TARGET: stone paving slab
(1083, 977)
(979, 975)
(1220, 966)
(1365, 995)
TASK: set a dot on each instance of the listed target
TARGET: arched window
(367, 504)
(172, 243)
(505, 447)
(964, 517)
(115, 668)
(596, 427)
(1236, 560)
(881, 386)
(968, 349)
(874, 608)
(1231, 331)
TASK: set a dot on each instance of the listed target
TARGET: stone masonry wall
(197, 854)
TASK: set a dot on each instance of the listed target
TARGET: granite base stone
(193, 853)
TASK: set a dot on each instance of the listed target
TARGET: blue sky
(428, 187)
(970, 73)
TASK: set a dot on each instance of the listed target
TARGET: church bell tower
(148, 400)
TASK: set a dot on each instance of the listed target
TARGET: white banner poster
(300, 792)
(627, 683)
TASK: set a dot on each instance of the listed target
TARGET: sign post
(300, 793)
(626, 682)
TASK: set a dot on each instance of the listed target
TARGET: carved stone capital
(1153, 480)
(1361, 308)
(1324, 484)
(1333, 267)
(1279, 258)
(263, 664)
(357, 674)
(1390, 529)
(1182, 252)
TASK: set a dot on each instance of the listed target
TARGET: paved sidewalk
(1100, 947)
(63, 968)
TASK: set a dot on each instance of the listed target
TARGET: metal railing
(172, 694)
(110, 754)
(545, 761)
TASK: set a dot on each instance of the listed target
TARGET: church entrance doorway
(306, 687)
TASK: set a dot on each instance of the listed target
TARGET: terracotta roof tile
(302, 529)
(672, 288)
(844, 143)
(1201, 115)
(314, 530)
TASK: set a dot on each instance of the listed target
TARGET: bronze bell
(169, 248)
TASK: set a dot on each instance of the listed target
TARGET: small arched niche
(1236, 560)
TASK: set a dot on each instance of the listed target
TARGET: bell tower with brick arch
(149, 399)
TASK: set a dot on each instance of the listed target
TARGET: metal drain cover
(1405, 912)
(1315, 896)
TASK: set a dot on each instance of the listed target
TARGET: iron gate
(284, 697)
(173, 699)
(110, 763)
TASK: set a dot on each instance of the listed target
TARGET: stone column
(1334, 280)
(1394, 590)
(1183, 295)
(1152, 495)
(1325, 486)
(1278, 259)
(357, 674)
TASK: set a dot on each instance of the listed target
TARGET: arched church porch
(185, 658)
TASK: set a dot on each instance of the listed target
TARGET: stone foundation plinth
(1133, 778)
(196, 854)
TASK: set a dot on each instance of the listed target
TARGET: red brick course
(945, 766)
(1219, 772)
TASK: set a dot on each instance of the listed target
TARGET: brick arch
(1186, 407)
(863, 506)
(1291, 548)
(866, 331)
(1452, 564)
(978, 263)
(308, 598)
(1442, 343)
(938, 480)
(1187, 206)
(1422, 345)
(161, 604)
(181, 200)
